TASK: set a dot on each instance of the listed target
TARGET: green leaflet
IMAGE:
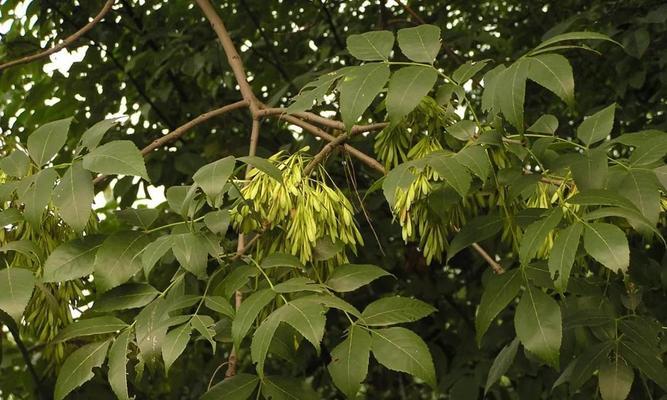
(407, 87)
(74, 197)
(349, 361)
(597, 126)
(499, 292)
(590, 170)
(535, 234)
(615, 379)
(141, 217)
(90, 326)
(359, 88)
(501, 363)
(608, 245)
(562, 255)
(248, 312)
(47, 140)
(349, 277)
(286, 388)
(130, 295)
(16, 285)
(395, 310)
(211, 178)
(553, 72)
(546, 123)
(421, 43)
(538, 325)
(237, 387)
(72, 260)
(399, 349)
(16, 164)
(468, 70)
(510, 92)
(371, 46)
(118, 365)
(120, 157)
(117, 260)
(93, 136)
(77, 368)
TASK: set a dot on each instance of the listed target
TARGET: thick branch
(68, 41)
(230, 51)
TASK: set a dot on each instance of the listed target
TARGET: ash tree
(401, 209)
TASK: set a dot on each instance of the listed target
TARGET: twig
(334, 31)
(328, 148)
(330, 123)
(494, 265)
(412, 12)
(68, 41)
(181, 130)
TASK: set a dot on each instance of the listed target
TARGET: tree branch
(181, 130)
(328, 148)
(68, 41)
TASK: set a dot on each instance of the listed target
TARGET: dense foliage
(400, 201)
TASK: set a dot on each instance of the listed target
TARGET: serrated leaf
(490, 94)
(597, 126)
(117, 260)
(261, 340)
(349, 277)
(78, 368)
(421, 43)
(130, 295)
(647, 360)
(118, 365)
(407, 87)
(140, 217)
(608, 245)
(476, 160)
(501, 363)
(589, 169)
(468, 70)
(307, 317)
(400, 349)
(371, 46)
(510, 92)
(449, 169)
(174, 344)
(553, 72)
(10, 216)
(191, 252)
(90, 326)
(546, 123)
(24, 246)
(120, 157)
(562, 255)
(47, 140)
(478, 229)
(349, 361)
(236, 279)
(16, 164)
(151, 329)
(588, 362)
(395, 310)
(248, 312)
(16, 285)
(499, 292)
(74, 197)
(538, 325)
(536, 233)
(93, 135)
(313, 92)
(287, 388)
(237, 387)
(212, 177)
(359, 88)
(263, 165)
(71, 260)
(601, 197)
(615, 380)
(298, 284)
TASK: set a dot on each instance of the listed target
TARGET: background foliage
(161, 63)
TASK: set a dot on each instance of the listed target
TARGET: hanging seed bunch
(48, 310)
(298, 212)
(394, 142)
